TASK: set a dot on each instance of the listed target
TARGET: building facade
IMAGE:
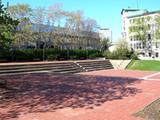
(139, 28)
(63, 38)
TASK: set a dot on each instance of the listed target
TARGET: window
(157, 55)
(149, 36)
(131, 38)
(150, 54)
(140, 45)
(137, 46)
(143, 54)
(130, 20)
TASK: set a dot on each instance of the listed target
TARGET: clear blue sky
(106, 12)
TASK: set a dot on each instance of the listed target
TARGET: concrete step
(43, 71)
(95, 69)
(60, 67)
(83, 63)
(35, 67)
(95, 65)
(100, 65)
(31, 66)
(38, 69)
(69, 71)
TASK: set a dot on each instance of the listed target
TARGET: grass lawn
(150, 65)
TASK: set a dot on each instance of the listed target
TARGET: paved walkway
(99, 95)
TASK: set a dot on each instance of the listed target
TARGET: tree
(52, 25)
(38, 20)
(55, 15)
(7, 28)
(121, 51)
(157, 32)
(23, 35)
(140, 28)
(20, 11)
(75, 22)
(105, 44)
(90, 25)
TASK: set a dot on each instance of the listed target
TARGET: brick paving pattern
(99, 95)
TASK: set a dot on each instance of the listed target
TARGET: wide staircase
(62, 67)
(55, 67)
(95, 65)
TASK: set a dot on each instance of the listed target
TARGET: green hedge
(49, 54)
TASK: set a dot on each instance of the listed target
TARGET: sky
(107, 13)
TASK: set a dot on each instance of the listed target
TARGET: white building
(146, 50)
(105, 33)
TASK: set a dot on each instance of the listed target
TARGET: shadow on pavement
(49, 92)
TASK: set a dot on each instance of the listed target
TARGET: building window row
(137, 45)
(137, 38)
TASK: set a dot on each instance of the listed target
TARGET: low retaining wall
(120, 64)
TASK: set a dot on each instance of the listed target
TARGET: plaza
(98, 95)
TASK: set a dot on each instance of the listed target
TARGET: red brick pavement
(120, 73)
(129, 98)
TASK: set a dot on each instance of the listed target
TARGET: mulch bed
(150, 112)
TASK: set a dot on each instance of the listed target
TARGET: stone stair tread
(70, 67)
(19, 70)
(87, 66)
(98, 69)
(32, 66)
(55, 67)
(92, 63)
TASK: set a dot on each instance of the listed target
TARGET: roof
(129, 10)
(143, 14)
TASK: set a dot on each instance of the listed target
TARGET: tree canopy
(7, 28)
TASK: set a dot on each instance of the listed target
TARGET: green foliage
(105, 43)
(157, 32)
(49, 54)
(120, 53)
(140, 28)
(23, 13)
(95, 55)
(7, 28)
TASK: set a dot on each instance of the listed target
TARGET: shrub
(120, 53)
(134, 56)
(48, 54)
(95, 55)
(51, 57)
